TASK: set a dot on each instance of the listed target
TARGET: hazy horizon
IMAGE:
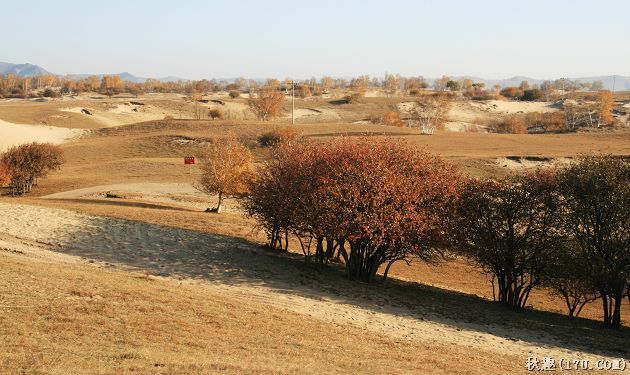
(194, 40)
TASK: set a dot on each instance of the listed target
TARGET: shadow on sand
(232, 261)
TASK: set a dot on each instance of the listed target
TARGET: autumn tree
(371, 202)
(267, 104)
(30, 162)
(509, 227)
(572, 281)
(606, 104)
(512, 92)
(226, 167)
(596, 202)
(5, 173)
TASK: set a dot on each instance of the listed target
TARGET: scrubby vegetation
(278, 136)
(389, 117)
(22, 166)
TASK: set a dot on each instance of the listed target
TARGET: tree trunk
(616, 314)
(220, 204)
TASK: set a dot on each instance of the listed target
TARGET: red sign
(189, 160)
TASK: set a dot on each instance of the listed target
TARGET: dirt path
(241, 269)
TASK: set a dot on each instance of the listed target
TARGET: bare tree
(430, 113)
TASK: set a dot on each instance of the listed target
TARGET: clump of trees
(267, 104)
(226, 168)
(23, 166)
(565, 229)
(369, 202)
(509, 227)
(596, 220)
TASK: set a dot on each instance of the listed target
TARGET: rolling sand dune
(14, 134)
(242, 270)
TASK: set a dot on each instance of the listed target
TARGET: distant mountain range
(27, 70)
(126, 76)
(22, 70)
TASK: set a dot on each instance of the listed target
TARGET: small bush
(512, 92)
(389, 118)
(277, 136)
(353, 98)
(50, 93)
(514, 124)
(235, 94)
(551, 121)
(215, 113)
(531, 95)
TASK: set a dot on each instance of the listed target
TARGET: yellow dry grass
(62, 317)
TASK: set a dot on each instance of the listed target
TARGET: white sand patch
(15, 134)
(123, 113)
(461, 126)
(511, 107)
(529, 162)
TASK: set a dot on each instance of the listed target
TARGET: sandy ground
(242, 270)
(511, 107)
(14, 134)
(122, 113)
(180, 194)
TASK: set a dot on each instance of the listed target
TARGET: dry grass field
(111, 265)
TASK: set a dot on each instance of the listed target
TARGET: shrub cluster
(389, 118)
(529, 122)
(566, 229)
(276, 137)
(22, 166)
(215, 113)
(522, 94)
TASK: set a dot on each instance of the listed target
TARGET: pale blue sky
(300, 39)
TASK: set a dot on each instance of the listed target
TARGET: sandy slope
(241, 269)
(181, 194)
(14, 134)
